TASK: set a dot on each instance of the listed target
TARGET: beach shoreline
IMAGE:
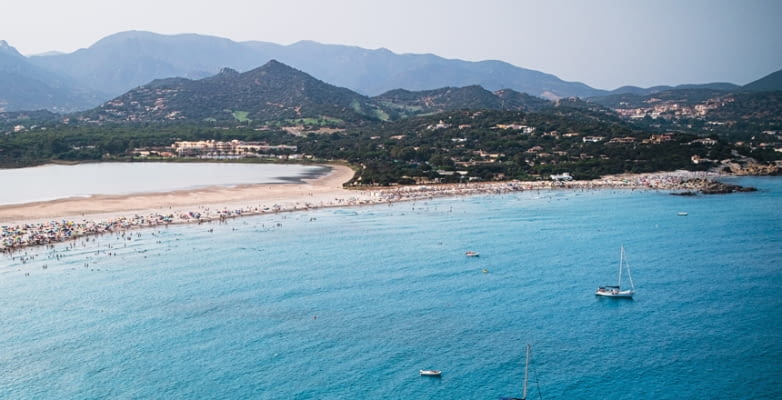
(49, 222)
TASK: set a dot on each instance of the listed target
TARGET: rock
(749, 167)
(706, 186)
(687, 193)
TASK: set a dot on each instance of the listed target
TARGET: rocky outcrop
(748, 167)
(707, 186)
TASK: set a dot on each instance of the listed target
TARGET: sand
(323, 191)
(43, 223)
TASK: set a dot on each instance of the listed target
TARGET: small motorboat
(431, 372)
(471, 254)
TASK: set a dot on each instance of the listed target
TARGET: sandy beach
(317, 191)
(60, 220)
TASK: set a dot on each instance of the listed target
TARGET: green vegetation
(320, 121)
(735, 117)
(468, 145)
(241, 116)
(447, 147)
(110, 142)
(442, 135)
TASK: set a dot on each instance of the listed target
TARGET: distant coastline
(45, 223)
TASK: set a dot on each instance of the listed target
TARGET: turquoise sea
(349, 303)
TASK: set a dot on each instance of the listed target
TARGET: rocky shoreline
(709, 186)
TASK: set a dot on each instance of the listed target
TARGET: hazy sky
(603, 43)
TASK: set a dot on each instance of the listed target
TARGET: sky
(603, 43)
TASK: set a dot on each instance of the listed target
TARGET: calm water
(50, 182)
(350, 303)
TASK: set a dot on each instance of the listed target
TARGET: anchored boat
(616, 290)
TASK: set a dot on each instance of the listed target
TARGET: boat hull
(622, 294)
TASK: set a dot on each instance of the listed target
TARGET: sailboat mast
(629, 275)
(526, 372)
(621, 263)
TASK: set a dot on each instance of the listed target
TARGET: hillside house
(657, 139)
(439, 125)
(705, 141)
(592, 139)
(619, 140)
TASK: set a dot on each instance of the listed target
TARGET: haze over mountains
(26, 86)
(118, 63)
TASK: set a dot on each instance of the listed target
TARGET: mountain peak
(273, 91)
(228, 71)
(770, 82)
(125, 35)
(8, 49)
(275, 68)
(274, 64)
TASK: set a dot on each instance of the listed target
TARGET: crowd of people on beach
(33, 234)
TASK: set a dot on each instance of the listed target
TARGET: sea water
(349, 303)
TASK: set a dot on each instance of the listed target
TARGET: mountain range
(277, 92)
(26, 86)
(123, 61)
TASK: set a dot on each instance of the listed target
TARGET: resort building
(232, 149)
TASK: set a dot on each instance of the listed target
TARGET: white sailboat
(616, 291)
(526, 378)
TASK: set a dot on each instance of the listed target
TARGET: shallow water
(352, 302)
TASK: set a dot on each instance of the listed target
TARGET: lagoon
(52, 182)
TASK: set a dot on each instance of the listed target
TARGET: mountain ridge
(770, 82)
(125, 60)
(277, 92)
(25, 86)
(122, 61)
(273, 91)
